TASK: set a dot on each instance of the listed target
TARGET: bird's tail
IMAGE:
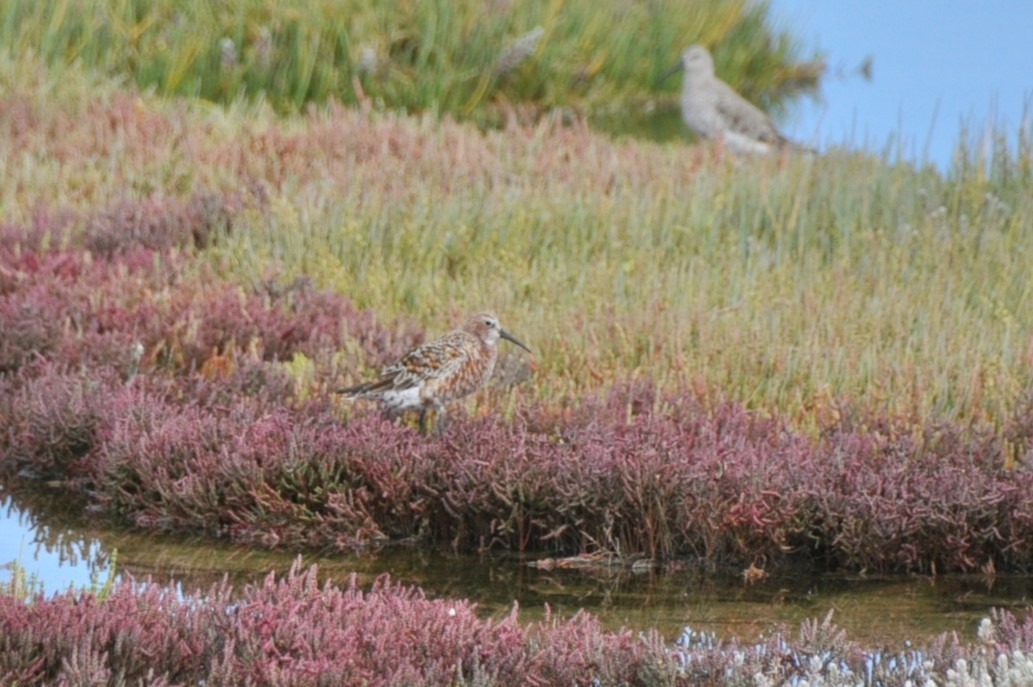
(365, 389)
(795, 146)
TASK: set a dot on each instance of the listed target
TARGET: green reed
(468, 58)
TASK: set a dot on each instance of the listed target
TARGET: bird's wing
(431, 360)
(744, 117)
(434, 359)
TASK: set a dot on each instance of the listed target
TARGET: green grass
(790, 285)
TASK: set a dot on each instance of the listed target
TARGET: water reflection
(52, 540)
(46, 543)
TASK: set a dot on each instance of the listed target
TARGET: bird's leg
(441, 419)
(423, 420)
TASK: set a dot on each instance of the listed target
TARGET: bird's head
(485, 326)
(695, 59)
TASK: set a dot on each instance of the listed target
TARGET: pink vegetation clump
(291, 630)
(51, 421)
(93, 296)
(663, 480)
(159, 223)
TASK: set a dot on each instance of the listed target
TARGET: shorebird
(713, 109)
(440, 371)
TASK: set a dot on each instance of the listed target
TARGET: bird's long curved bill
(509, 337)
(673, 69)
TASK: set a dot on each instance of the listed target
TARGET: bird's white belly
(402, 399)
(741, 143)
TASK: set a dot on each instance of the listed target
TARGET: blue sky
(936, 65)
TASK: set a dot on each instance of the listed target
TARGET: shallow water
(51, 540)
